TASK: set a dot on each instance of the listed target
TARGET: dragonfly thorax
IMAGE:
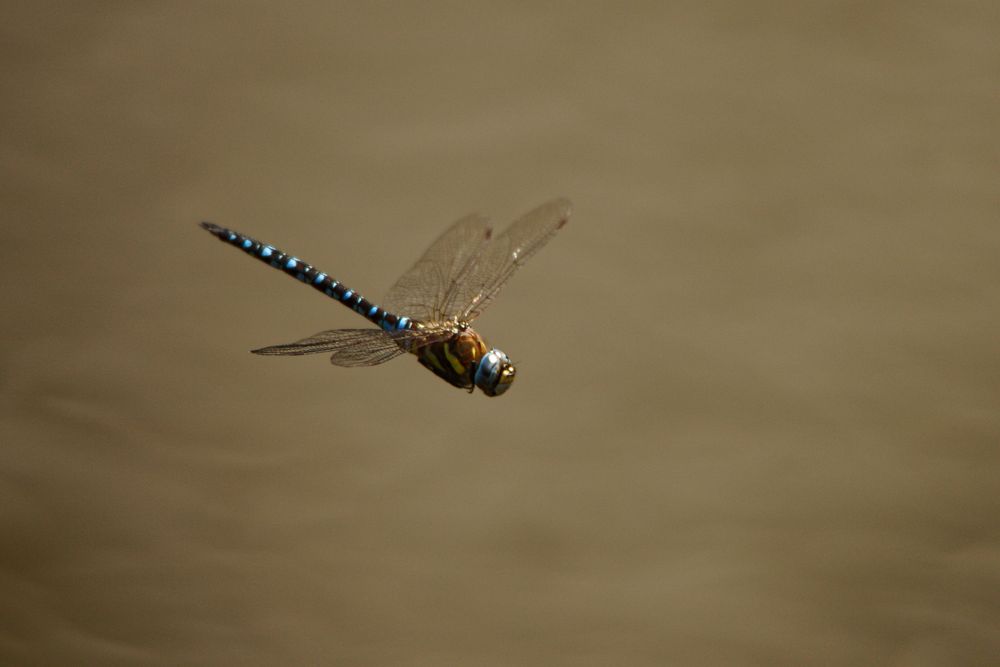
(464, 360)
(454, 359)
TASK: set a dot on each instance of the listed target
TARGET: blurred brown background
(756, 416)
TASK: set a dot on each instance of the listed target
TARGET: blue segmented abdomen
(304, 272)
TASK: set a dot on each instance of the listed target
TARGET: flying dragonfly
(429, 311)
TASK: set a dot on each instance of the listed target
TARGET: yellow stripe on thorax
(452, 359)
(432, 358)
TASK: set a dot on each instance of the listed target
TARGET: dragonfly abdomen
(305, 272)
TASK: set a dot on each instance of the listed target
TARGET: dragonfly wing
(357, 347)
(508, 252)
(427, 291)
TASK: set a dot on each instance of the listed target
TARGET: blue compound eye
(495, 373)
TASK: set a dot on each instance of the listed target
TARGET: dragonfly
(430, 309)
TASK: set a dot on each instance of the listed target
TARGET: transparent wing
(358, 347)
(506, 253)
(429, 290)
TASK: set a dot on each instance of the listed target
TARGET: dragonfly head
(495, 373)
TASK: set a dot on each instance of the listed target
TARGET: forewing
(427, 291)
(508, 252)
(356, 347)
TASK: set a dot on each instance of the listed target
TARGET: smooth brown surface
(756, 415)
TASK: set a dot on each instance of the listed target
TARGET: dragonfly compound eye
(495, 373)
